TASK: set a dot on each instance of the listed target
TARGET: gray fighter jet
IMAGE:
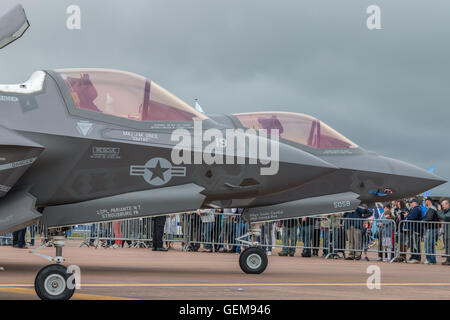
(80, 146)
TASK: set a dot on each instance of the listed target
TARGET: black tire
(253, 260)
(59, 275)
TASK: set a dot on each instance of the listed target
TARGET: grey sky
(387, 90)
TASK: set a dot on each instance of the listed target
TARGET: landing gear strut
(52, 281)
(252, 260)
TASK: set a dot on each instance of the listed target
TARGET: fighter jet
(80, 146)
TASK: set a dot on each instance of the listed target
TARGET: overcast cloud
(387, 90)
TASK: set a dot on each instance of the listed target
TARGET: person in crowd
(414, 230)
(423, 208)
(14, 239)
(431, 227)
(117, 225)
(387, 233)
(158, 233)
(68, 232)
(228, 229)
(183, 230)
(208, 222)
(316, 236)
(132, 230)
(192, 227)
(99, 231)
(6, 239)
(235, 220)
(325, 226)
(289, 237)
(267, 236)
(339, 236)
(32, 230)
(275, 233)
(92, 235)
(170, 230)
(146, 232)
(307, 231)
(217, 231)
(400, 212)
(125, 232)
(19, 239)
(335, 223)
(353, 227)
(381, 234)
(300, 231)
(241, 230)
(366, 237)
(108, 233)
(444, 214)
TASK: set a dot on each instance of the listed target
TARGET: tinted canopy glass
(125, 95)
(298, 128)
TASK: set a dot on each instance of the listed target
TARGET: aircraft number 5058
(341, 204)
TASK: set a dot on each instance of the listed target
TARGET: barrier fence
(420, 238)
(332, 235)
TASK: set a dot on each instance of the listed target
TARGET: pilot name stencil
(268, 215)
(157, 171)
(140, 136)
(120, 212)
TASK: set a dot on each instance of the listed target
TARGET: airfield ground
(144, 274)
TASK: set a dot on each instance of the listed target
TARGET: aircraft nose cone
(418, 180)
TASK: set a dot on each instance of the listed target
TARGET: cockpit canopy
(125, 95)
(298, 128)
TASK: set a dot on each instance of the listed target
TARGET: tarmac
(140, 273)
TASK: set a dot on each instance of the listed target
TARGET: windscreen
(298, 128)
(125, 95)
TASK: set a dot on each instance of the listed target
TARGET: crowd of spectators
(399, 227)
(405, 223)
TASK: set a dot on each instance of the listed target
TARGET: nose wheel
(51, 283)
(253, 260)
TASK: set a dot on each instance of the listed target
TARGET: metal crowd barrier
(32, 236)
(229, 232)
(214, 231)
(334, 235)
(361, 236)
(133, 233)
(422, 238)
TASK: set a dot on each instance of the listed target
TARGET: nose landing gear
(54, 282)
(252, 260)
